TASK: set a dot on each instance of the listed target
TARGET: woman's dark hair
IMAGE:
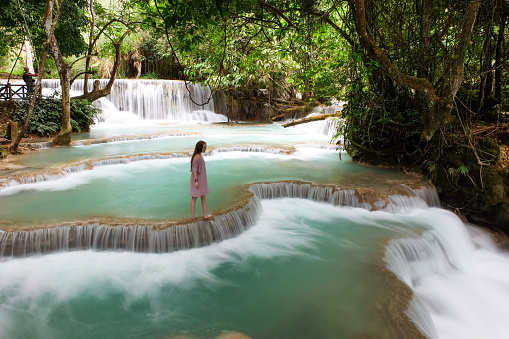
(197, 150)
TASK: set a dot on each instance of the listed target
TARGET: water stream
(97, 240)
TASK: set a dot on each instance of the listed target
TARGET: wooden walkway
(13, 92)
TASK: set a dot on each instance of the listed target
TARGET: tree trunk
(485, 69)
(98, 93)
(438, 105)
(63, 138)
(425, 11)
(50, 29)
(91, 44)
(311, 119)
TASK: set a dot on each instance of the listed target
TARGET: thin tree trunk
(50, 29)
(98, 93)
(91, 44)
(63, 138)
(423, 71)
(485, 69)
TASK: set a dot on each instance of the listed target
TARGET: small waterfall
(421, 317)
(330, 195)
(321, 146)
(247, 149)
(344, 197)
(333, 109)
(135, 238)
(34, 179)
(153, 99)
(127, 160)
(87, 166)
(171, 237)
(120, 139)
(413, 259)
(458, 277)
(328, 127)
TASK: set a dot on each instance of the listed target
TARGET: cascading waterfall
(134, 238)
(328, 127)
(453, 274)
(141, 238)
(418, 198)
(457, 274)
(169, 100)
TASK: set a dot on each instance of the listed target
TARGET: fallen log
(310, 119)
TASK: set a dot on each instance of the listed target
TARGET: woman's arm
(195, 172)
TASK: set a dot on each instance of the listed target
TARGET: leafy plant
(47, 113)
(150, 75)
(456, 172)
(430, 165)
(3, 152)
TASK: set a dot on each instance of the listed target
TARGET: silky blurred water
(159, 189)
(304, 270)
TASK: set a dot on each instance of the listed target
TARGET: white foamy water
(460, 283)
(305, 270)
(149, 100)
(39, 287)
(460, 277)
(326, 127)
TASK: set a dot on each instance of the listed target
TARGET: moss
(482, 193)
(3, 152)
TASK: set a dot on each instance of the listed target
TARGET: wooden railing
(13, 91)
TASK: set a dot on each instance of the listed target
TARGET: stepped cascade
(96, 239)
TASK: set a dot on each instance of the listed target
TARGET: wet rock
(232, 335)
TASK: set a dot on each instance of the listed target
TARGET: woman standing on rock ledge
(199, 185)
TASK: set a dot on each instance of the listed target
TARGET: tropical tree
(50, 25)
(234, 45)
(71, 19)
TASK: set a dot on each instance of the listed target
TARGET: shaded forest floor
(498, 131)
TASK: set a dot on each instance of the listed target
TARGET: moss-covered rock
(476, 183)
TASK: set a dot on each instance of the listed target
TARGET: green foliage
(431, 166)
(240, 45)
(47, 113)
(456, 172)
(3, 152)
(150, 75)
(382, 125)
(71, 24)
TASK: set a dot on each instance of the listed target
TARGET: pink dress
(198, 166)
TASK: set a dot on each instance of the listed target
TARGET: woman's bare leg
(193, 205)
(204, 206)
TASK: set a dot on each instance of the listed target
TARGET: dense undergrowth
(47, 114)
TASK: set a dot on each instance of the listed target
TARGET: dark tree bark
(98, 93)
(440, 100)
(485, 68)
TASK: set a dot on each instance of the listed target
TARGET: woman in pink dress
(199, 185)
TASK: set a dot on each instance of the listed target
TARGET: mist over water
(305, 269)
